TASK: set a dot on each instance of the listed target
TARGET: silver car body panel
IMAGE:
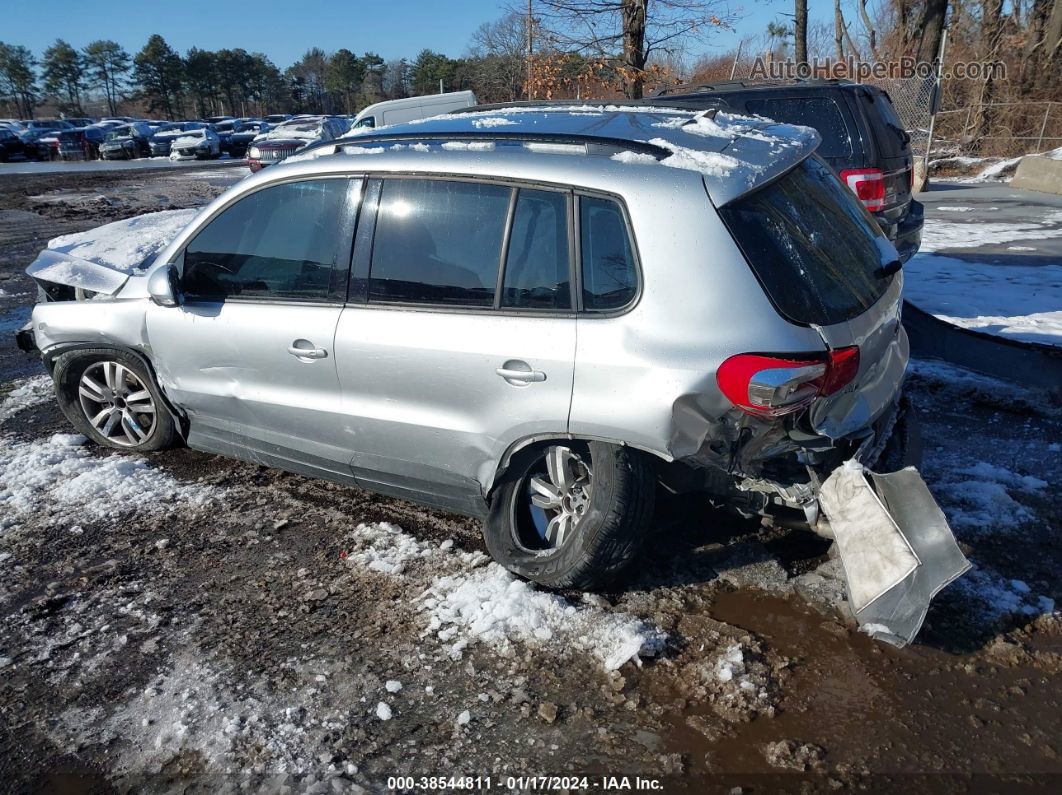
(60, 268)
(411, 398)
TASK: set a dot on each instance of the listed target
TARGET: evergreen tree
(107, 65)
(64, 75)
(159, 71)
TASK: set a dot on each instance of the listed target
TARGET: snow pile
(635, 157)
(996, 597)
(979, 497)
(384, 548)
(125, 245)
(469, 146)
(493, 121)
(59, 472)
(730, 663)
(711, 164)
(29, 392)
(996, 170)
(492, 606)
(1018, 301)
(938, 235)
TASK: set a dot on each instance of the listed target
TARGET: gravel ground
(181, 622)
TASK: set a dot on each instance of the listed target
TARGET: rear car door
(459, 337)
(249, 353)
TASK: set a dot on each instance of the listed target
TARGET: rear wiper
(889, 268)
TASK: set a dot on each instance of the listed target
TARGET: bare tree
(929, 29)
(629, 31)
(800, 33)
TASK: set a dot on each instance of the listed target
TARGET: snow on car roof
(734, 153)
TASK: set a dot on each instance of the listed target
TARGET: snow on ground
(469, 602)
(27, 392)
(989, 293)
(1018, 301)
(490, 605)
(125, 245)
(60, 474)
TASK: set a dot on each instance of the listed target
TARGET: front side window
(438, 242)
(610, 278)
(280, 242)
(537, 271)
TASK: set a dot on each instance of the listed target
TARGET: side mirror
(162, 286)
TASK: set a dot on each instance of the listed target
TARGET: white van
(396, 111)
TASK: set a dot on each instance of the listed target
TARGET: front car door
(249, 353)
(459, 338)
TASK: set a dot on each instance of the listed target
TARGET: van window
(537, 272)
(811, 244)
(608, 270)
(279, 242)
(822, 113)
(438, 242)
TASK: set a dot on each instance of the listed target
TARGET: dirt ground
(186, 623)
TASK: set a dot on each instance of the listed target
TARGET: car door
(249, 352)
(443, 363)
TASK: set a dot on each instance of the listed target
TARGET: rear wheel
(573, 515)
(112, 398)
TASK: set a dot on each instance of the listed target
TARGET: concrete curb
(1026, 363)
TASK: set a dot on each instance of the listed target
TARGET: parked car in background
(12, 147)
(863, 139)
(47, 124)
(163, 137)
(236, 143)
(127, 142)
(218, 119)
(81, 143)
(274, 119)
(200, 144)
(42, 142)
(80, 121)
(291, 136)
(397, 111)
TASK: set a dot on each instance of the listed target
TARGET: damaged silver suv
(537, 316)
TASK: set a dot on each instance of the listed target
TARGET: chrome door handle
(525, 376)
(307, 353)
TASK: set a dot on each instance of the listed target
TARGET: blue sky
(284, 29)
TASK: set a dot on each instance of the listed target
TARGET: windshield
(121, 132)
(815, 250)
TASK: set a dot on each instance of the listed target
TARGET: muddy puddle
(859, 713)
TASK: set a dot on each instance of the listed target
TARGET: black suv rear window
(813, 247)
(822, 113)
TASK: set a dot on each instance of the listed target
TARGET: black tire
(606, 538)
(904, 447)
(69, 369)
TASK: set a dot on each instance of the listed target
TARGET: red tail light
(772, 386)
(868, 184)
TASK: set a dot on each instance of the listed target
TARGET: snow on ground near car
(124, 245)
(1001, 293)
(471, 601)
(27, 392)
(61, 475)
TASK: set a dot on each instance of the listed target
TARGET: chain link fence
(1015, 128)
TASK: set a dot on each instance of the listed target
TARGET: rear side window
(537, 263)
(438, 242)
(813, 247)
(609, 275)
(279, 242)
(892, 139)
(822, 113)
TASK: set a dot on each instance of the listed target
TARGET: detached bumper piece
(895, 544)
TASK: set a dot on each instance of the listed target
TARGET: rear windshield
(888, 129)
(822, 113)
(811, 244)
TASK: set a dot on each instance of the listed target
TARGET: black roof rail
(601, 144)
(738, 85)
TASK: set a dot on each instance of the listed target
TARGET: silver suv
(534, 316)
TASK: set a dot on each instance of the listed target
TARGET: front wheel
(574, 515)
(112, 398)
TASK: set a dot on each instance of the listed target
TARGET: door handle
(523, 376)
(307, 353)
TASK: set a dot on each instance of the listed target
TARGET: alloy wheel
(117, 403)
(559, 497)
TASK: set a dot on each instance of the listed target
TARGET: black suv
(862, 139)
